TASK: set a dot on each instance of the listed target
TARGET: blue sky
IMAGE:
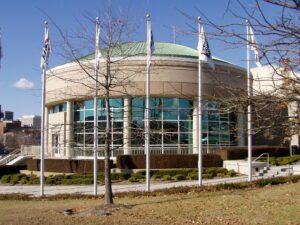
(22, 37)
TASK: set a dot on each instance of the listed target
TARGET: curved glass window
(170, 123)
(84, 122)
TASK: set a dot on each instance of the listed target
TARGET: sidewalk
(88, 189)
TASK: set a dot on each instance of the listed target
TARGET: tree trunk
(108, 189)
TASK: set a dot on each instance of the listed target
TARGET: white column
(195, 127)
(127, 126)
(69, 129)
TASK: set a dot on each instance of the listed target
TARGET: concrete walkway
(88, 189)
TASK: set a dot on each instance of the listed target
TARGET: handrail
(268, 158)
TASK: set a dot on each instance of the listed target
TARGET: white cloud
(23, 83)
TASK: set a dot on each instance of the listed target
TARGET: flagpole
(42, 150)
(97, 39)
(147, 123)
(199, 117)
(249, 89)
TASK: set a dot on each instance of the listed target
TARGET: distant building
(8, 115)
(32, 121)
(6, 126)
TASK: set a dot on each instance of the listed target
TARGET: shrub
(138, 175)
(24, 180)
(166, 177)
(33, 180)
(16, 178)
(156, 176)
(120, 176)
(193, 176)
(133, 180)
(179, 177)
(231, 173)
(207, 176)
(5, 179)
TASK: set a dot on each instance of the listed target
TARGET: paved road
(88, 189)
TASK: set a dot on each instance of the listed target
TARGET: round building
(69, 119)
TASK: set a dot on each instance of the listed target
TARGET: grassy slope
(278, 204)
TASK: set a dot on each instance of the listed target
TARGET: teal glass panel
(117, 114)
(116, 103)
(171, 114)
(185, 114)
(155, 114)
(101, 103)
(170, 103)
(79, 116)
(155, 103)
(89, 115)
(89, 104)
(102, 115)
(185, 103)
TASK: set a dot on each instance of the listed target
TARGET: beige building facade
(173, 87)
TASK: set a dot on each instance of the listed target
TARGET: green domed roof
(161, 49)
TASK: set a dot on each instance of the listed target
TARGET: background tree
(278, 36)
(115, 30)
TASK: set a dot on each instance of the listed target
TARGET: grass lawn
(279, 204)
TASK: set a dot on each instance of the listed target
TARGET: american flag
(46, 50)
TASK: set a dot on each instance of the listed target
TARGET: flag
(47, 49)
(152, 47)
(254, 47)
(1, 53)
(98, 51)
(203, 49)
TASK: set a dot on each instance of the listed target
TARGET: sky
(22, 25)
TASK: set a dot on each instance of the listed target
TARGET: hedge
(4, 170)
(66, 165)
(232, 153)
(167, 161)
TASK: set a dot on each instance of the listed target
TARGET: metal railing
(268, 158)
(11, 156)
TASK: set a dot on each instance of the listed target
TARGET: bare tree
(113, 81)
(278, 37)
